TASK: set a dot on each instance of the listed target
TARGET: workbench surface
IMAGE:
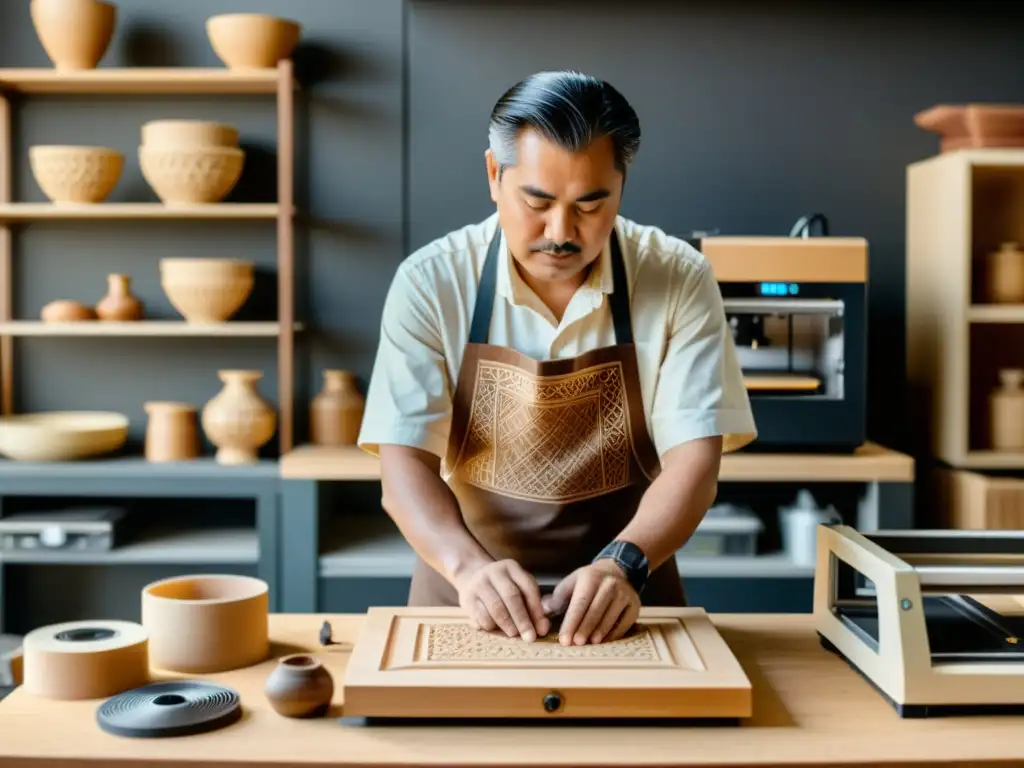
(809, 709)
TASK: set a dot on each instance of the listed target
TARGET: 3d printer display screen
(778, 289)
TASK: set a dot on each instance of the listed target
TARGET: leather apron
(548, 459)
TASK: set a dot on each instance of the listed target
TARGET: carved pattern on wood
(461, 642)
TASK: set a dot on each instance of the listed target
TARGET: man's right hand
(502, 595)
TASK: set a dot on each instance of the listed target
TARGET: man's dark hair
(568, 108)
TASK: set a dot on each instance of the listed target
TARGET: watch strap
(631, 559)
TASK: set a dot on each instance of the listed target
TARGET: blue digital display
(779, 289)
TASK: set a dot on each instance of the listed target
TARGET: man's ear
(492, 174)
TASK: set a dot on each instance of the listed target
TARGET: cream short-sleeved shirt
(691, 381)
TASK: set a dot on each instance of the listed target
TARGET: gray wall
(753, 113)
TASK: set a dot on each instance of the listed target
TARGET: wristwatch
(631, 559)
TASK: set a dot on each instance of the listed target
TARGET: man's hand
(502, 594)
(602, 604)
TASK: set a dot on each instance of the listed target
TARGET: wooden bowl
(191, 174)
(188, 133)
(974, 126)
(74, 33)
(61, 435)
(75, 174)
(252, 40)
(207, 290)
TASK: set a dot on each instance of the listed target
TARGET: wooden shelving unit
(960, 207)
(278, 82)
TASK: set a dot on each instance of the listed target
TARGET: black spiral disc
(178, 708)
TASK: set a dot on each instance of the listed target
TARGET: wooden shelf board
(370, 546)
(181, 547)
(112, 211)
(870, 463)
(141, 328)
(140, 81)
(993, 460)
(125, 467)
(996, 313)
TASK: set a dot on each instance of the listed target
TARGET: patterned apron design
(548, 459)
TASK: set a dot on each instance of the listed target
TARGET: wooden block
(429, 662)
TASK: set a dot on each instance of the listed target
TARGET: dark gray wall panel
(752, 114)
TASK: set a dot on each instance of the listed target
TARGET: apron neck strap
(480, 330)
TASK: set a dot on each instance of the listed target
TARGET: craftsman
(555, 385)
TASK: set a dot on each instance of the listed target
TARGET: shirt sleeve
(700, 391)
(408, 401)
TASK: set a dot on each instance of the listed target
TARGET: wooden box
(429, 662)
(973, 501)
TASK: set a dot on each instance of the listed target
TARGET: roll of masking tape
(85, 659)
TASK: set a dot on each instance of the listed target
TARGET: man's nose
(561, 227)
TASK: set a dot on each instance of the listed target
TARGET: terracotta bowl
(70, 174)
(74, 33)
(191, 174)
(252, 40)
(61, 435)
(207, 290)
(201, 624)
(188, 134)
(974, 126)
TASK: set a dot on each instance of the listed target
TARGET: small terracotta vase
(119, 304)
(299, 686)
(1006, 408)
(238, 420)
(172, 432)
(1006, 275)
(336, 413)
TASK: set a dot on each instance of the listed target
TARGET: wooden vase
(1006, 407)
(299, 686)
(172, 432)
(1006, 275)
(238, 420)
(336, 413)
(119, 304)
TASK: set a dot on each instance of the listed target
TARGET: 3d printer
(797, 306)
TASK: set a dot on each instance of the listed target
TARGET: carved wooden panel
(429, 662)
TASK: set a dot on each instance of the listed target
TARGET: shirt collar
(510, 285)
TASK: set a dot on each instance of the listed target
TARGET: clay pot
(172, 432)
(207, 290)
(252, 40)
(191, 175)
(202, 624)
(1006, 275)
(1006, 408)
(76, 174)
(336, 413)
(299, 686)
(66, 311)
(119, 305)
(74, 33)
(238, 420)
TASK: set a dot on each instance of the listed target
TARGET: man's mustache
(549, 246)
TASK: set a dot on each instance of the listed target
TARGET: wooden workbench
(809, 709)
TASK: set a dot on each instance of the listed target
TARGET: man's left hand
(602, 604)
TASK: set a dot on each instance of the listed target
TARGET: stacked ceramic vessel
(190, 161)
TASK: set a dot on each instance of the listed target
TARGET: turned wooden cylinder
(172, 432)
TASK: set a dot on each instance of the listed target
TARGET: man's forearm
(427, 512)
(675, 503)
